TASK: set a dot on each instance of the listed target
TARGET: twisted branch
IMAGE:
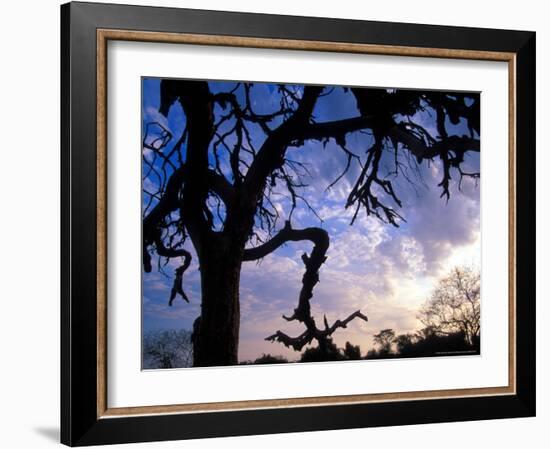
(313, 262)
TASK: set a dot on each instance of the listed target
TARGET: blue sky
(386, 272)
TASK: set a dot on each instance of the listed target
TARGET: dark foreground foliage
(172, 349)
(422, 344)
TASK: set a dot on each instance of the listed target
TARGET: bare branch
(313, 263)
(177, 287)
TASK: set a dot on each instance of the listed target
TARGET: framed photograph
(283, 224)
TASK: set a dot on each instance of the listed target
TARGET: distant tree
(352, 352)
(384, 340)
(372, 354)
(268, 359)
(454, 306)
(167, 349)
(427, 343)
(405, 344)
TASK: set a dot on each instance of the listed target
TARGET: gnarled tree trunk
(216, 331)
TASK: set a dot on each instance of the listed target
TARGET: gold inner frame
(104, 35)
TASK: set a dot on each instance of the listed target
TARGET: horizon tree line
(450, 316)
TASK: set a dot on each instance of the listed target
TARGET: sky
(385, 272)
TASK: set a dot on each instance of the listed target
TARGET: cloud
(385, 272)
(438, 226)
(165, 312)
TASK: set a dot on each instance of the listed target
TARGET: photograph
(291, 223)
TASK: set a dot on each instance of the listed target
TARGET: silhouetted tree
(384, 340)
(372, 354)
(405, 344)
(325, 353)
(454, 306)
(268, 359)
(352, 352)
(167, 349)
(215, 185)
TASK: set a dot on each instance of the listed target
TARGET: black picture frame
(81, 424)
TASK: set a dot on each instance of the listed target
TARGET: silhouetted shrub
(352, 352)
(329, 353)
(267, 359)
